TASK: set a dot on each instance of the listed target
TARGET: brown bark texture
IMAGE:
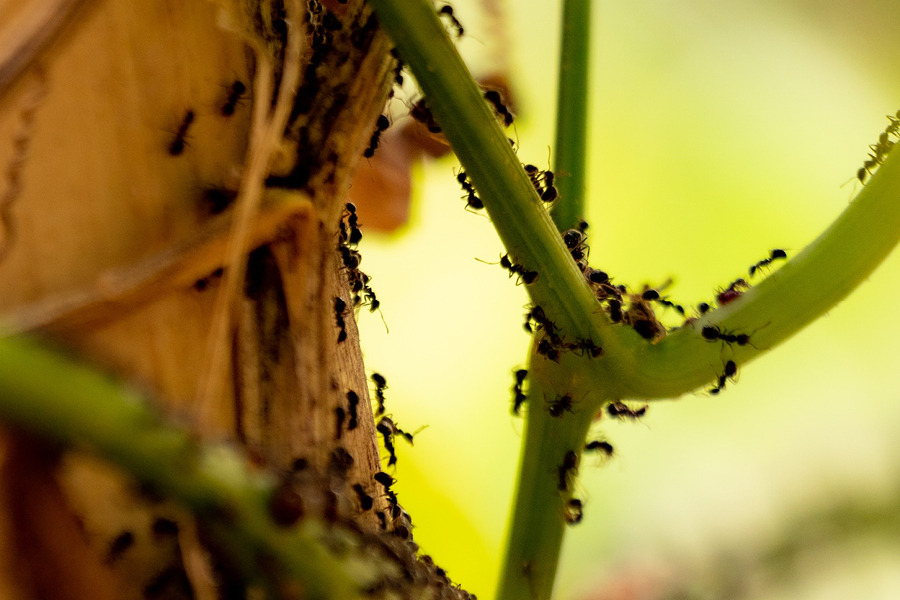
(125, 132)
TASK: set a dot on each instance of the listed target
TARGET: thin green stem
(50, 395)
(803, 289)
(538, 520)
(572, 113)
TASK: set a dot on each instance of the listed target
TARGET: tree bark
(114, 240)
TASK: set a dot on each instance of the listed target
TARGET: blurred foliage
(719, 131)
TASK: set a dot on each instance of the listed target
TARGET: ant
(880, 150)
(712, 333)
(353, 403)
(619, 410)
(178, 144)
(473, 201)
(596, 276)
(518, 397)
(384, 479)
(653, 296)
(600, 446)
(732, 292)
(575, 241)
(365, 500)
(421, 113)
(614, 306)
(548, 350)
(496, 100)
(585, 346)
(775, 255)
(729, 373)
(560, 404)
(380, 125)
(543, 184)
(235, 91)
(527, 277)
(380, 385)
(574, 511)
(447, 11)
(569, 466)
(340, 307)
(388, 431)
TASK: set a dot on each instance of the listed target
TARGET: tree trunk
(125, 140)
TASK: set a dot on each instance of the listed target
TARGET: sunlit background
(719, 130)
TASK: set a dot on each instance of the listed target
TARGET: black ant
(494, 97)
(380, 125)
(421, 113)
(575, 241)
(574, 511)
(340, 307)
(384, 479)
(178, 144)
(473, 201)
(235, 91)
(518, 397)
(615, 310)
(600, 446)
(527, 277)
(569, 466)
(560, 404)
(365, 500)
(775, 255)
(585, 347)
(339, 416)
(619, 410)
(353, 403)
(703, 308)
(387, 432)
(653, 295)
(596, 276)
(447, 11)
(729, 373)
(548, 350)
(712, 333)
(380, 385)
(543, 184)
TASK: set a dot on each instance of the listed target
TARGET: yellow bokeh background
(718, 131)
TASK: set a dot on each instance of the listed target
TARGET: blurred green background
(719, 130)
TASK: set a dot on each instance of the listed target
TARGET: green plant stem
(572, 113)
(803, 289)
(538, 520)
(521, 220)
(48, 394)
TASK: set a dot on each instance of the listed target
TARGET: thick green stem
(521, 220)
(538, 521)
(50, 395)
(572, 113)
